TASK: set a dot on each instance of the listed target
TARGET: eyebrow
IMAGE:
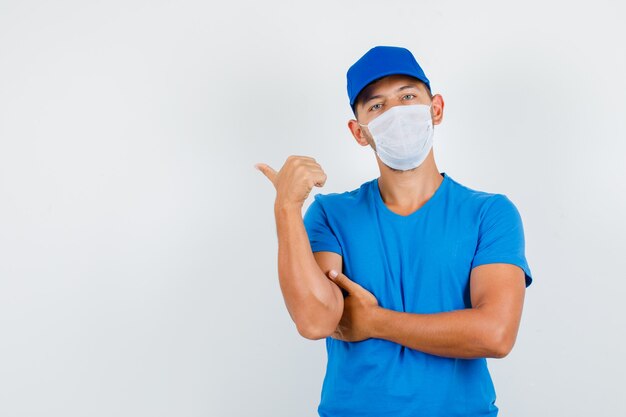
(404, 87)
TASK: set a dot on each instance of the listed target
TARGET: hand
(295, 180)
(358, 309)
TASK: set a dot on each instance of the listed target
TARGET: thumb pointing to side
(267, 170)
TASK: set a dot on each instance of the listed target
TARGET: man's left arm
(488, 329)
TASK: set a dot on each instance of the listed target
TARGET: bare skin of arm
(314, 303)
(488, 329)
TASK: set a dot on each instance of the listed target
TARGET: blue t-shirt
(419, 263)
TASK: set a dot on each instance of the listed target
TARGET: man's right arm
(314, 302)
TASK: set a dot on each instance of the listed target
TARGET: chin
(401, 170)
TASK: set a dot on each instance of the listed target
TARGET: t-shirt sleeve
(321, 236)
(501, 236)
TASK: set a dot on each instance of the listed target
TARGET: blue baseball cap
(379, 62)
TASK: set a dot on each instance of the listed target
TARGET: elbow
(318, 330)
(320, 320)
(312, 333)
(502, 343)
(319, 324)
(500, 351)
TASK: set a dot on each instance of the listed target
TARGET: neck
(407, 191)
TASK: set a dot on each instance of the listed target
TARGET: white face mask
(403, 135)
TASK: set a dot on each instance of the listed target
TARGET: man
(431, 274)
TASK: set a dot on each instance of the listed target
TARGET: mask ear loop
(368, 129)
(374, 149)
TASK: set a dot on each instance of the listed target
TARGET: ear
(357, 132)
(437, 109)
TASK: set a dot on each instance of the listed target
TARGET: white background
(138, 271)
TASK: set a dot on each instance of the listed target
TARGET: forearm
(313, 301)
(469, 333)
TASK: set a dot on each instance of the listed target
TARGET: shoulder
(480, 200)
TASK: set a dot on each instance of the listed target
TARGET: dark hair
(359, 96)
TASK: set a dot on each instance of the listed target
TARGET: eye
(375, 107)
(408, 96)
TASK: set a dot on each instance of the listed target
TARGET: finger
(316, 171)
(315, 177)
(304, 157)
(267, 170)
(320, 179)
(343, 281)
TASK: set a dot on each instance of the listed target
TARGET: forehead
(391, 83)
